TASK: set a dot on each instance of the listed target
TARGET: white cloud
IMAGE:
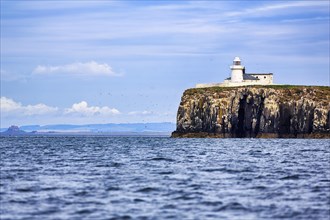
(91, 68)
(266, 9)
(140, 113)
(83, 109)
(7, 76)
(43, 6)
(290, 5)
(300, 20)
(189, 24)
(13, 112)
(10, 107)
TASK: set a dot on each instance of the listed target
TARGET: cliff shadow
(284, 121)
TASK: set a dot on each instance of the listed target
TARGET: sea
(96, 177)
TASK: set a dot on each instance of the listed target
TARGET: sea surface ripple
(164, 178)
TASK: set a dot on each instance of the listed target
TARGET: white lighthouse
(240, 78)
(237, 70)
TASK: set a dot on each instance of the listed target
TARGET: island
(246, 106)
(274, 111)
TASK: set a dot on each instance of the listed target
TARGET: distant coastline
(94, 134)
(127, 129)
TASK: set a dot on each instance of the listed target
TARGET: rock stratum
(279, 111)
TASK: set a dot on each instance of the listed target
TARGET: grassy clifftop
(296, 88)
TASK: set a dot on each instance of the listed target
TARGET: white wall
(237, 73)
(264, 78)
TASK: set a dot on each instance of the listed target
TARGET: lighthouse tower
(237, 70)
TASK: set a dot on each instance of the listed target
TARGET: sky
(82, 62)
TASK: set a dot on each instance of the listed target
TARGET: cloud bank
(91, 68)
(16, 113)
(9, 106)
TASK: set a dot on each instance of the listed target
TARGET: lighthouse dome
(237, 59)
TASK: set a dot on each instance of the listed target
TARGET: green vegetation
(209, 89)
(292, 89)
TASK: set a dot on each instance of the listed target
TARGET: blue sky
(129, 61)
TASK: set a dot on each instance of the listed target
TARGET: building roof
(246, 77)
(259, 73)
(249, 77)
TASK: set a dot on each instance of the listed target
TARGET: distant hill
(101, 128)
(13, 131)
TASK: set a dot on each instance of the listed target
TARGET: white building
(240, 78)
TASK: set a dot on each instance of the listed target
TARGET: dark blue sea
(164, 178)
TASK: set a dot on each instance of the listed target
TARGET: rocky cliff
(255, 111)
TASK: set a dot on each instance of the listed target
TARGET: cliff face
(255, 111)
